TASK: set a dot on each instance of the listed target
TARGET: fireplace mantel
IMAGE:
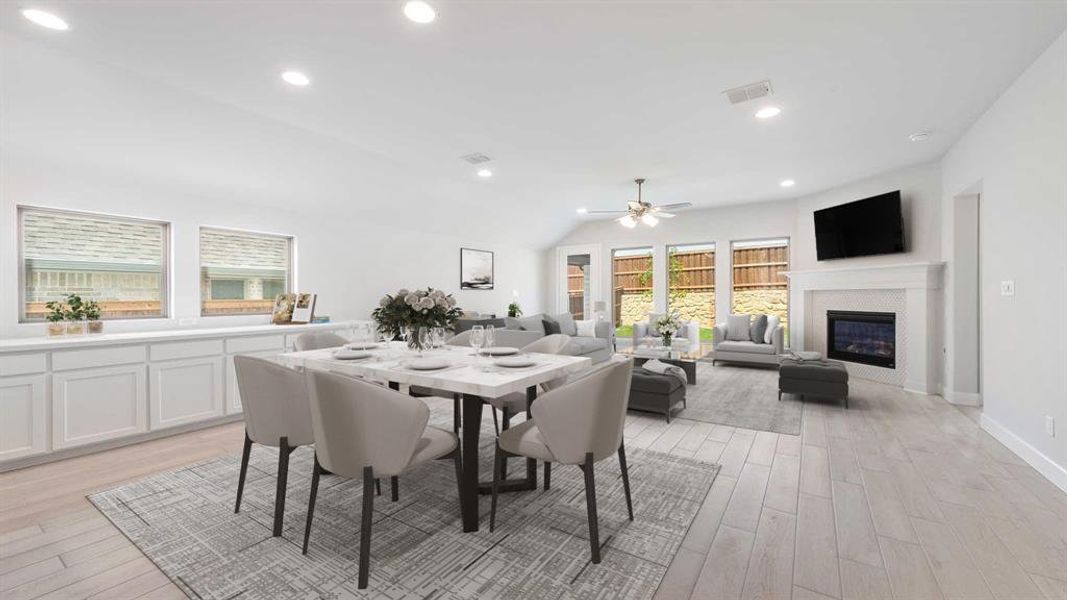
(921, 283)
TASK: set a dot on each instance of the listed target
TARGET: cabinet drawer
(22, 364)
(177, 350)
(257, 343)
(97, 357)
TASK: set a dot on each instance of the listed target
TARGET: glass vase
(75, 327)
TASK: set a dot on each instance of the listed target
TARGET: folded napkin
(657, 366)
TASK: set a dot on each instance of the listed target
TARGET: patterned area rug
(741, 397)
(184, 522)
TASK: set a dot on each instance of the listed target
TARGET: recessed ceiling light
(583, 210)
(45, 19)
(419, 11)
(787, 183)
(485, 173)
(919, 136)
(295, 78)
(768, 112)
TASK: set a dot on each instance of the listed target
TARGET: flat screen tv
(861, 228)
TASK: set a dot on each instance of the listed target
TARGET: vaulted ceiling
(570, 100)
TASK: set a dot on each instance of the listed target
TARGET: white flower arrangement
(668, 325)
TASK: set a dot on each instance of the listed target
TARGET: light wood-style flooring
(901, 496)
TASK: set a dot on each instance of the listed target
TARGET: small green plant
(92, 310)
(75, 308)
(57, 311)
(514, 310)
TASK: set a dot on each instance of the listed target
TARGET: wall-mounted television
(862, 228)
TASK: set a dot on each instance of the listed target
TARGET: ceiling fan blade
(606, 212)
(663, 215)
(634, 205)
(674, 206)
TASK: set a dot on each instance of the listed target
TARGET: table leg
(531, 464)
(472, 426)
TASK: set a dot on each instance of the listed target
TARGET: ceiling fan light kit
(639, 211)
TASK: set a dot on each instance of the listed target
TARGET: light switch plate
(1050, 425)
(1007, 288)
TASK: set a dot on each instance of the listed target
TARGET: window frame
(667, 283)
(290, 273)
(165, 258)
(611, 288)
(788, 280)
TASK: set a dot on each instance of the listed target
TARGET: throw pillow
(737, 328)
(652, 318)
(551, 327)
(566, 324)
(512, 323)
(773, 321)
(585, 328)
(533, 323)
(683, 331)
(758, 328)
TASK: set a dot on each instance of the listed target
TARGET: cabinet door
(23, 425)
(233, 391)
(92, 405)
(184, 391)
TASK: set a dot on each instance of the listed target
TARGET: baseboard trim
(1034, 457)
(962, 398)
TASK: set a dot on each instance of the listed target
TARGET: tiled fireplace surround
(912, 291)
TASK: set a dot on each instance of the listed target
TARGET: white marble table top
(468, 374)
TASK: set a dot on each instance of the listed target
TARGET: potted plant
(57, 312)
(667, 326)
(514, 310)
(411, 310)
(75, 315)
(92, 314)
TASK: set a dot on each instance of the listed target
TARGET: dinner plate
(346, 354)
(428, 364)
(361, 345)
(515, 362)
(500, 351)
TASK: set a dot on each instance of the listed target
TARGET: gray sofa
(747, 351)
(520, 332)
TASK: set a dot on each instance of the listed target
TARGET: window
(691, 285)
(120, 263)
(759, 287)
(631, 286)
(242, 272)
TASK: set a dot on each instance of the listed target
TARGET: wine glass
(405, 334)
(477, 339)
(438, 337)
(424, 338)
(490, 336)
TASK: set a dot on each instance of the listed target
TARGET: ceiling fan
(641, 211)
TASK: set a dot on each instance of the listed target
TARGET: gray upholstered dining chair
(275, 402)
(369, 431)
(514, 403)
(579, 423)
(314, 340)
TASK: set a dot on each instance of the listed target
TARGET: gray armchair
(747, 351)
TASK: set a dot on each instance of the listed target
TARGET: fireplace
(862, 337)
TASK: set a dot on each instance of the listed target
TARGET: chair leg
(283, 476)
(311, 501)
(364, 530)
(496, 424)
(244, 471)
(505, 424)
(456, 417)
(779, 395)
(498, 461)
(590, 505)
(378, 486)
(457, 458)
(548, 475)
(394, 483)
(626, 480)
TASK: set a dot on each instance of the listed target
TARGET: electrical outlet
(186, 321)
(1050, 425)
(1007, 288)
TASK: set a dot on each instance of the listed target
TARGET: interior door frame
(562, 252)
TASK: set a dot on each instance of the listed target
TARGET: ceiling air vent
(748, 92)
(476, 159)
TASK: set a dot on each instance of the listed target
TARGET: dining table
(471, 374)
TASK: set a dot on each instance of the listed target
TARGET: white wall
(347, 261)
(1016, 154)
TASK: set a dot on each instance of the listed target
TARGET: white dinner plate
(515, 362)
(346, 354)
(361, 345)
(428, 364)
(500, 351)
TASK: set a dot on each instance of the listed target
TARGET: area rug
(741, 397)
(183, 521)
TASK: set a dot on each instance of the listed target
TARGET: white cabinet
(93, 405)
(233, 392)
(23, 416)
(187, 390)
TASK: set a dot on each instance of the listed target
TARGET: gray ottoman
(655, 392)
(813, 377)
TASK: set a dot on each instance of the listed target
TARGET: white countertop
(61, 342)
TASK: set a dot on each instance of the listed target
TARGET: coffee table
(680, 353)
